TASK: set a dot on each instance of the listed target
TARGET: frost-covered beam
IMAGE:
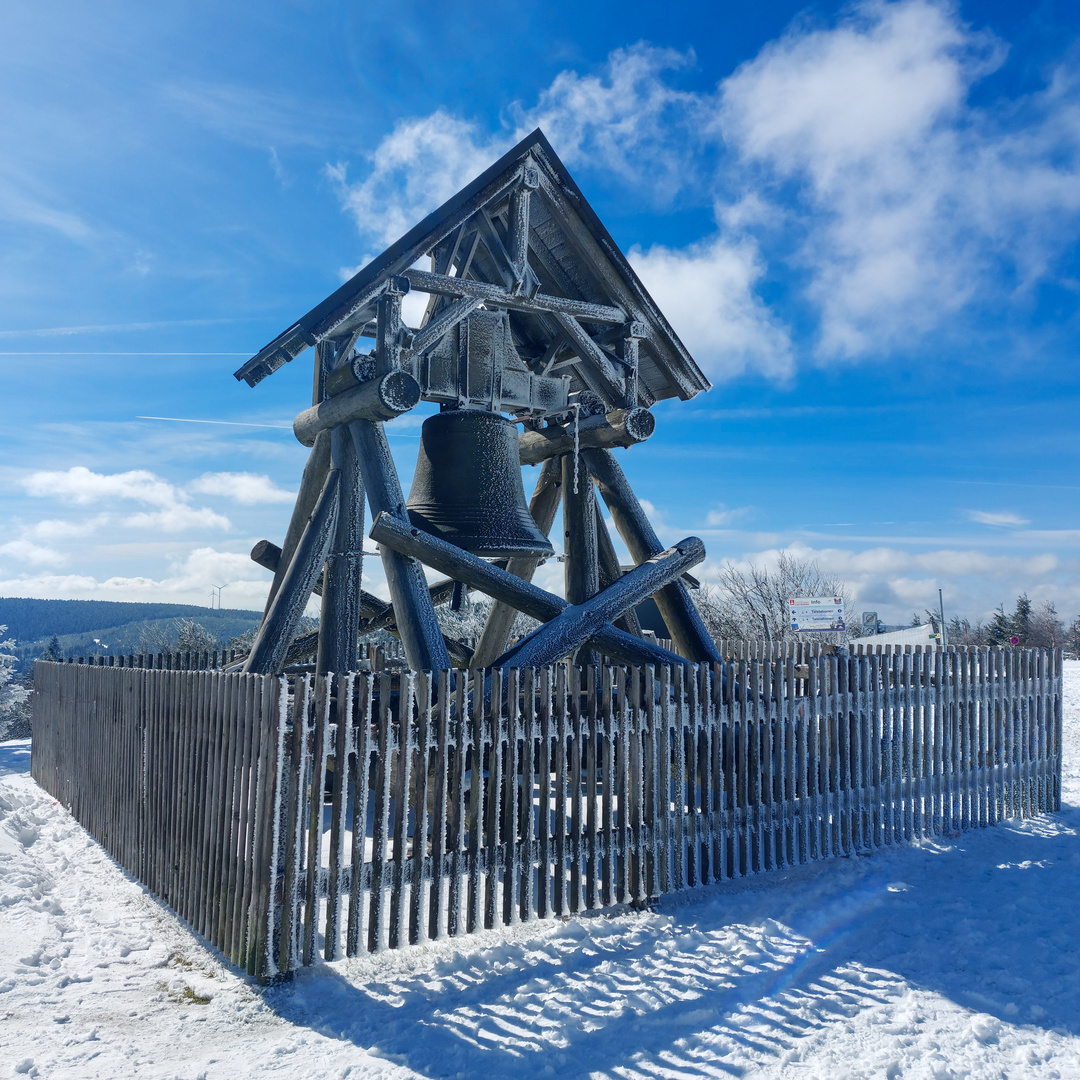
(620, 427)
(425, 281)
(393, 533)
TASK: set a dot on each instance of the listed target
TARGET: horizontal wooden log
(620, 427)
(443, 284)
(577, 623)
(382, 398)
(400, 536)
(355, 371)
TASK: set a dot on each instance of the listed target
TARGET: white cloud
(177, 519)
(79, 485)
(619, 120)
(721, 517)
(623, 118)
(707, 293)
(1002, 518)
(56, 529)
(851, 154)
(911, 202)
(418, 166)
(245, 488)
(188, 580)
(35, 554)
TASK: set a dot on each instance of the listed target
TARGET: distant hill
(118, 627)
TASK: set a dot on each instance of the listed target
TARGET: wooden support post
(325, 354)
(392, 532)
(678, 610)
(340, 617)
(518, 231)
(267, 656)
(414, 611)
(611, 571)
(318, 463)
(580, 561)
(620, 427)
(575, 624)
(500, 620)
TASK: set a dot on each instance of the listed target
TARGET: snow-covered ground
(949, 959)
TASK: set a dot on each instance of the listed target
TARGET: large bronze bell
(467, 488)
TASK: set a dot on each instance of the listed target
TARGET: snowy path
(946, 960)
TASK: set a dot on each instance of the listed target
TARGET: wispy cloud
(25, 199)
(1001, 518)
(111, 328)
(263, 119)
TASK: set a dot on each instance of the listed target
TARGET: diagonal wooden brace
(679, 612)
(578, 623)
(413, 609)
(398, 535)
(267, 656)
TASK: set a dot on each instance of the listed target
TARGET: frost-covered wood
(556, 791)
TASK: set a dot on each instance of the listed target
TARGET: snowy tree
(753, 604)
(14, 716)
(1047, 630)
(1073, 640)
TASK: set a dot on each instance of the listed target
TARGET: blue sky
(862, 220)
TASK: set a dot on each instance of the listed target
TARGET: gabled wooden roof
(571, 257)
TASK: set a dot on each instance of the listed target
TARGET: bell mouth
(467, 488)
(478, 540)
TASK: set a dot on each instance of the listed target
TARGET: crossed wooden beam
(350, 464)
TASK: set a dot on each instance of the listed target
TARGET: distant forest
(101, 627)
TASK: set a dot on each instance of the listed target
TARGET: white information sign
(816, 613)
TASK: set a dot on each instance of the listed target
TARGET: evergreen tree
(916, 620)
(52, 652)
(1021, 619)
(1000, 629)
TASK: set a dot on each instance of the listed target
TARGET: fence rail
(289, 819)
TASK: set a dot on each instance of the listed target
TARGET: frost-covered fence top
(293, 820)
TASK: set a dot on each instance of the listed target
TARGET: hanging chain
(577, 441)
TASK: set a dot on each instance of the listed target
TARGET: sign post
(816, 613)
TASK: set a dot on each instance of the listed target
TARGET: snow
(954, 958)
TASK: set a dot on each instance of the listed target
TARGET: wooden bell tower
(533, 316)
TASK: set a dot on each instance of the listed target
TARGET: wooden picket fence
(295, 819)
